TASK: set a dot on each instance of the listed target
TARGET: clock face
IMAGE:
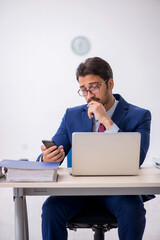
(80, 45)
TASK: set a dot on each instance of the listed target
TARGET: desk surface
(146, 182)
(147, 177)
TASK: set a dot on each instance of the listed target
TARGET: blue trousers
(129, 210)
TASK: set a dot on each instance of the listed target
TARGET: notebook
(105, 153)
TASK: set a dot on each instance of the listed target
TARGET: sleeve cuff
(113, 129)
(40, 158)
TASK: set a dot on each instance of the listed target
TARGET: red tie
(101, 128)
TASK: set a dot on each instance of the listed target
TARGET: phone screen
(48, 143)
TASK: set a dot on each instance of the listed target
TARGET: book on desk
(29, 171)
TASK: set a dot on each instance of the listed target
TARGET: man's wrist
(107, 123)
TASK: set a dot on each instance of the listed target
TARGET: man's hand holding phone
(52, 153)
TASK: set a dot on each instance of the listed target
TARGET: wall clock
(80, 45)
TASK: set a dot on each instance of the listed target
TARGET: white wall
(37, 68)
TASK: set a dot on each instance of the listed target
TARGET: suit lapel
(120, 111)
(86, 122)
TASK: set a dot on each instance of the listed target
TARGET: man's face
(104, 95)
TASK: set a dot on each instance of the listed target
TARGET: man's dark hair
(95, 66)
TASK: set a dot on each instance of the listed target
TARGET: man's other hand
(99, 111)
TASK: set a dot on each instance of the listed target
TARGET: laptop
(102, 154)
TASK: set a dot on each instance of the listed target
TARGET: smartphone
(48, 143)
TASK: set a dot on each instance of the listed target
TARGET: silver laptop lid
(105, 153)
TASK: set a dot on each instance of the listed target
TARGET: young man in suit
(105, 112)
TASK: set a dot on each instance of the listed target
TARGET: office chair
(95, 217)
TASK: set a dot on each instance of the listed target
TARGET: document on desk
(156, 161)
(29, 171)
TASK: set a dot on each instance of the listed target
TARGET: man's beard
(93, 99)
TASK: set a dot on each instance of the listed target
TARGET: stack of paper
(1, 172)
(29, 171)
(157, 162)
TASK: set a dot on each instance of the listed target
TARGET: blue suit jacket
(127, 117)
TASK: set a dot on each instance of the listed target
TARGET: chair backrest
(69, 159)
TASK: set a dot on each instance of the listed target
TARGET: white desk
(147, 182)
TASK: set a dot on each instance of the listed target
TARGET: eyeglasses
(92, 90)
